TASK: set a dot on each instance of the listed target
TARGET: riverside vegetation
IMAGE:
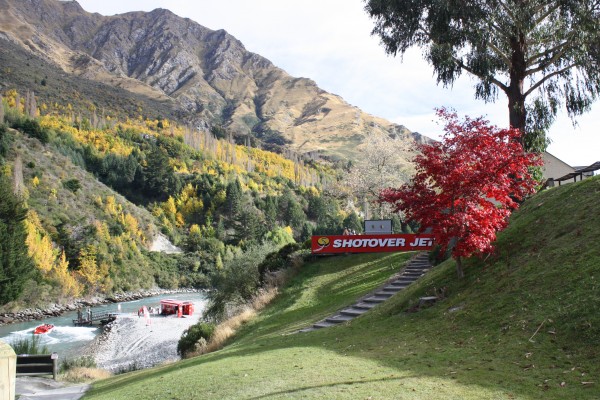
(522, 324)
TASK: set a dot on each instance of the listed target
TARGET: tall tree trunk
(459, 268)
(516, 96)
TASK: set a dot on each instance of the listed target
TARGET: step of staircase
(406, 280)
(323, 324)
(412, 272)
(353, 312)
(381, 293)
(338, 319)
(401, 284)
(415, 268)
(392, 289)
(375, 299)
(364, 306)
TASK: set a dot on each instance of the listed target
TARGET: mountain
(206, 77)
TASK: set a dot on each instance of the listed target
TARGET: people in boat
(45, 328)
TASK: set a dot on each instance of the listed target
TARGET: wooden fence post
(8, 370)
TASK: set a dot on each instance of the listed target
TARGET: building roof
(580, 171)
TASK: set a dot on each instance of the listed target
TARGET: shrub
(80, 362)
(72, 184)
(237, 283)
(191, 336)
(277, 260)
(32, 128)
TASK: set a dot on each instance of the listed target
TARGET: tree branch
(500, 53)
(534, 58)
(502, 86)
(510, 14)
(545, 78)
(546, 14)
(496, 82)
(499, 31)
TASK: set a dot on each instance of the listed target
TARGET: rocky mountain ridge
(208, 75)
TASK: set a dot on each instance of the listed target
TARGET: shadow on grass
(328, 385)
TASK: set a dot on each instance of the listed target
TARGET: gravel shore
(132, 342)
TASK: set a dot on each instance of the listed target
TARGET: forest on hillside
(89, 193)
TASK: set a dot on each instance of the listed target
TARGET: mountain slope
(523, 324)
(103, 237)
(209, 74)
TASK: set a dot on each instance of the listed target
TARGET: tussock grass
(227, 329)
(523, 324)
(85, 374)
(264, 298)
(29, 345)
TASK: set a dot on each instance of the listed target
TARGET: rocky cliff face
(208, 73)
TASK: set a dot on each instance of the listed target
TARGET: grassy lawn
(523, 324)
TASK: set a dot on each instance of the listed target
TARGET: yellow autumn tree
(170, 209)
(39, 245)
(111, 206)
(60, 273)
(102, 231)
(130, 223)
(88, 268)
(188, 202)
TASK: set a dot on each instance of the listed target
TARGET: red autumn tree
(466, 186)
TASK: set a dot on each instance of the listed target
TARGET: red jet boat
(46, 328)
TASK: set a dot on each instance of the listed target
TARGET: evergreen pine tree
(1, 110)
(15, 265)
(220, 232)
(271, 212)
(234, 198)
(160, 179)
(295, 217)
(250, 225)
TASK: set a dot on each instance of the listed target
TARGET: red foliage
(467, 185)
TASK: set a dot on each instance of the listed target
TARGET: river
(68, 340)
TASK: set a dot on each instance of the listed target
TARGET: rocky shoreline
(55, 310)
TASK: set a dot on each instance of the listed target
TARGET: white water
(60, 334)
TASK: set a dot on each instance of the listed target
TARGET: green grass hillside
(523, 324)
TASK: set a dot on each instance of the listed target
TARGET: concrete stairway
(414, 269)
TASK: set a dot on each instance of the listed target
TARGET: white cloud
(329, 42)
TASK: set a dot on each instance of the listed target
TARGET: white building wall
(555, 168)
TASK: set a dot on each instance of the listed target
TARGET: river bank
(55, 310)
(132, 342)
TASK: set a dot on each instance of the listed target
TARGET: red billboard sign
(331, 244)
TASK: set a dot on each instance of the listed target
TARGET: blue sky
(329, 41)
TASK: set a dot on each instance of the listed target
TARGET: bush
(191, 336)
(32, 128)
(72, 184)
(277, 260)
(237, 283)
(80, 362)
